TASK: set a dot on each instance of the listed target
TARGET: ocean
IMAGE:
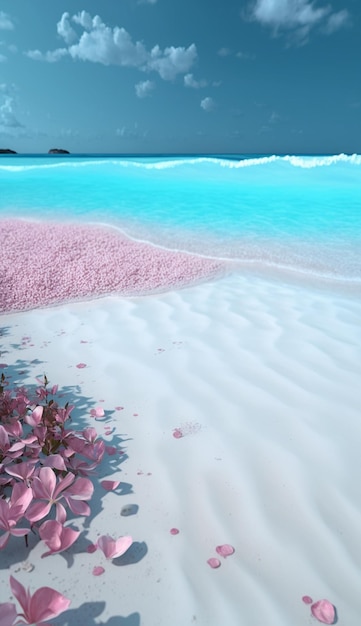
(299, 213)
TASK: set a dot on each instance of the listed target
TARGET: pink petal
(47, 603)
(110, 485)
(4, 540)
(114, 548)
(97, 412)
(20, 593)
(37, 510)
(43, 486)
(174, 531)
(81, 489)
(78, 507)
(225, 550)
(55, 461)
(7, 614)
(214, 563)
(111, 450)
(98, 570)
(92, 548)
(324, 611)
(307, 599)
(177, 433)
(81, 365)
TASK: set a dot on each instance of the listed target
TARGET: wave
(305, 162)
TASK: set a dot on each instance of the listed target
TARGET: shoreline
(138, 267)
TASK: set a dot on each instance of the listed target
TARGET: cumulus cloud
(190, 81)
(50, 56)
(8, 119)
(224, 52)
(208, 104)
(99, 43)
(65, 30)
(296, 16)
(5, 21)
(144, 88)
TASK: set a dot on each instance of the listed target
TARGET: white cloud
(208, 104)
(50, 56)
(247, 56)
(144, 88)
(172, 61)
(65, 30)
(297, 16)
(336, 21)
(3, 58)
(5, 21)
(8, 118)
(99, 43)
(189, 81)
(132, 132)
(224, 52)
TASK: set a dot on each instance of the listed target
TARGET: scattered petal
(177, 433)
(110, 450)
(80, 366)
(110, 485)
(214, 563)
(92, 548)
(98, 570)
(307, 600)
(174, 531)
(225, 550)
(119, 408)
(324, 611)
(97, 412)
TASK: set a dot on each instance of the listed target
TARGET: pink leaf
(114, 548)
(324, 611)
(214, 563)
(225, 550)
(110, 485)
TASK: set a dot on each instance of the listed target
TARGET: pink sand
(48, 263)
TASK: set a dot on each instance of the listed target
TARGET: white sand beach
(262, 380)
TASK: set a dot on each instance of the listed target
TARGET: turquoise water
(302, 213)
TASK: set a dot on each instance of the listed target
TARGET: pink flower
(57, 537)
(12, 511)
(48, 492)
(44, 604)
(113, 548)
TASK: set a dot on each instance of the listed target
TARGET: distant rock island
(7, 151)
(58, 151)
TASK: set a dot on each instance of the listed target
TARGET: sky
(181, 76)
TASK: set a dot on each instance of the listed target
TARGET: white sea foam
(305, 162)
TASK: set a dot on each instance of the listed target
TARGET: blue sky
(147, 76)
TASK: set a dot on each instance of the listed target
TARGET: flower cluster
(43, 466)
